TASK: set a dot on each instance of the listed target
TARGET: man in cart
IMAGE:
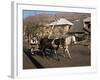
(33, 45)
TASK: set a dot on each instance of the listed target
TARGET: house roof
(88, 19)
(86, 28)
(61, 21)
(78, 26)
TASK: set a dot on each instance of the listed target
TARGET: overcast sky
(27, 13)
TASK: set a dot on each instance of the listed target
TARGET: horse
(56, 43)
(68, 40)
(49, 44)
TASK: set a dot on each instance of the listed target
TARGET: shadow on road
(34, 61)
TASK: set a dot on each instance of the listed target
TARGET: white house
(61, 26)
(61, 21)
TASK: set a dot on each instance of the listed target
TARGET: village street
(80, 57)
(41, 28)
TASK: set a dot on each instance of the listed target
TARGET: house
(87, 24)
(62, 22)
(81, 29)
(60, 27)
(87, 28)
(78, 30)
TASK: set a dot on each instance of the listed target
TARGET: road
(81, 56)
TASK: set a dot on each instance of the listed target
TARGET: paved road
(80, 57)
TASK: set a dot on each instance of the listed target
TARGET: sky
(27, 13)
